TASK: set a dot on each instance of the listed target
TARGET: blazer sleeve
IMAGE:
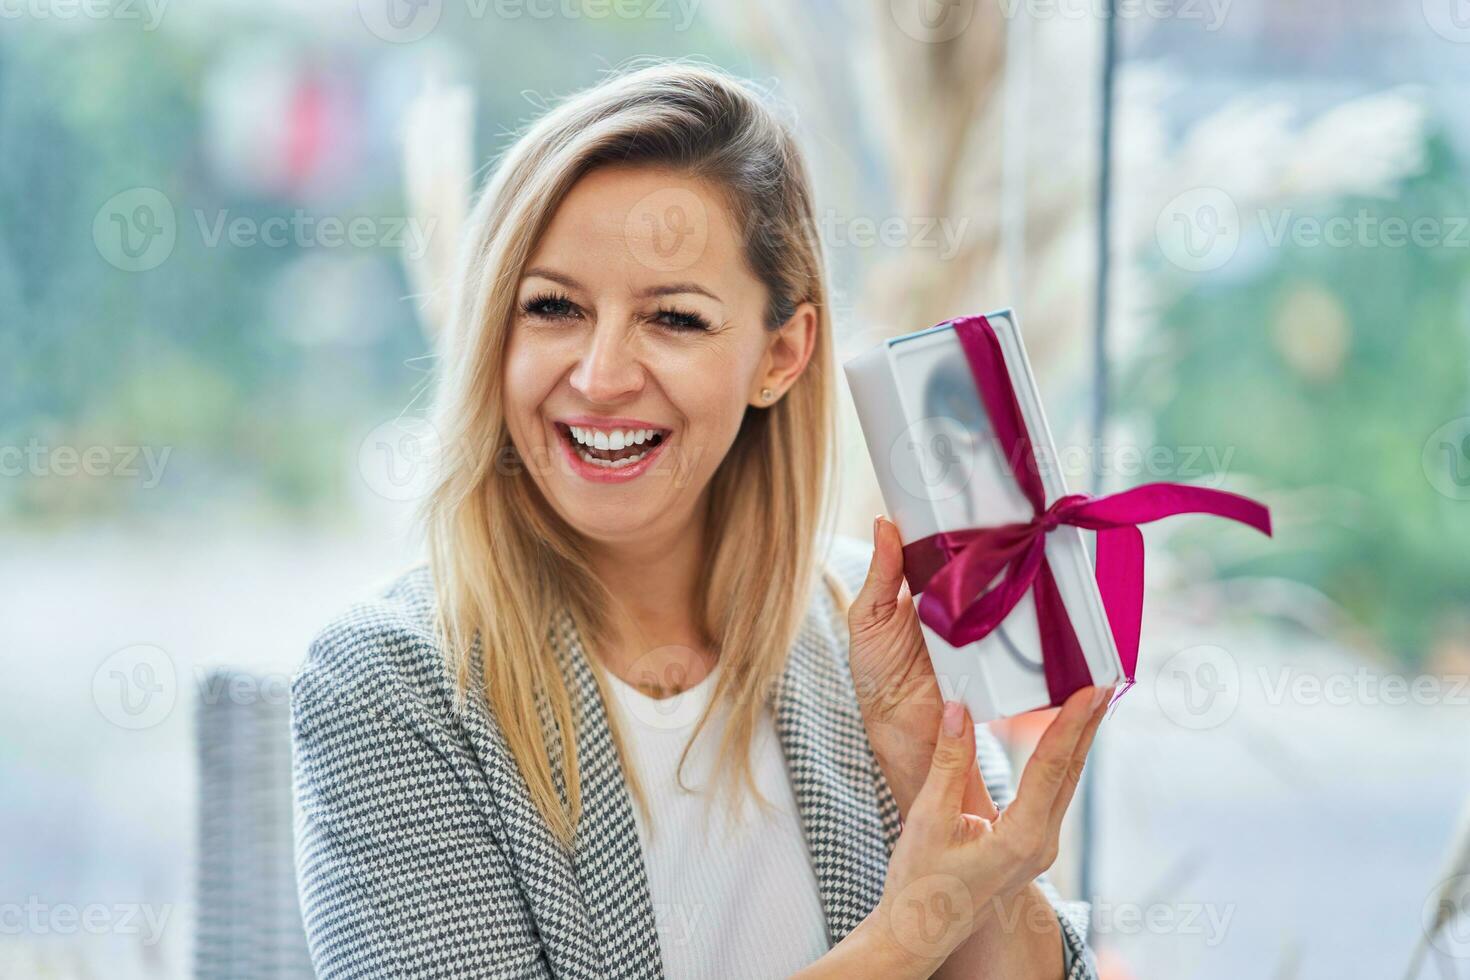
(400, 870)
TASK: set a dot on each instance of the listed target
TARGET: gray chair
(249, 923)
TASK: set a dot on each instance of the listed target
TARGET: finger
(950, 767)
(878, 596)
(1079, 759)
(1048, 767)
(977, 797)
(977, 794)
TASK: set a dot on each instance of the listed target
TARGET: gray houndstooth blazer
(419, 853)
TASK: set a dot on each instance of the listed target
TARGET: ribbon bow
(952, 569)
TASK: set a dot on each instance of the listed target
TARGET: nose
(609, 369)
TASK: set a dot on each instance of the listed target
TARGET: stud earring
(767, 394)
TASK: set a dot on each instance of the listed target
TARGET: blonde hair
(503, 562)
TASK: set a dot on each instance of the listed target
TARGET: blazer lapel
(592, 906)
(609, 856)
(847, 814)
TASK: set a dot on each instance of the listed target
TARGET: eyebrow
(668, 289)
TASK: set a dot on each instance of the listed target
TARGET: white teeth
(610, 439)
(612, 464)
(587, 439)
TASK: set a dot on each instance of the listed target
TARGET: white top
(731, 897)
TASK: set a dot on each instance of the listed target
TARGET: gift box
(1016, 613)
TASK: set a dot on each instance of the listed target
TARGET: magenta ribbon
(955, 569)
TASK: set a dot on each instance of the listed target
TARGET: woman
(623, 723)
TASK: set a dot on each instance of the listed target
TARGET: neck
(654, 581)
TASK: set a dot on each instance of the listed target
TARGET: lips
(611, 450)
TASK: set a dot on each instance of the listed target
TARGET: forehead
(642, 226)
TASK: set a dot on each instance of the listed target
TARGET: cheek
(708, 387)
(530, 375)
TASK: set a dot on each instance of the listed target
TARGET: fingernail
(953, 718)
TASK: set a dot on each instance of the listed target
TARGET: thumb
(876, 600)
(943, 792)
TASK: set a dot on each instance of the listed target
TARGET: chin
(616, 527)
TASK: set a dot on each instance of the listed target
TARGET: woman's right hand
(950, 870)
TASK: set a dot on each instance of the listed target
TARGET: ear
(788, 350)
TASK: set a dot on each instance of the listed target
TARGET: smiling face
(637, 345)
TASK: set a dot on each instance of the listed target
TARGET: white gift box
(939, 469)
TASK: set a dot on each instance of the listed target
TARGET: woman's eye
(550, 307)
(681, 320)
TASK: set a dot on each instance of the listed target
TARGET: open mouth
(612, 449)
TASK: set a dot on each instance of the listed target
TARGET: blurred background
(213, 360)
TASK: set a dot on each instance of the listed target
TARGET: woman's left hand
(896, 688)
